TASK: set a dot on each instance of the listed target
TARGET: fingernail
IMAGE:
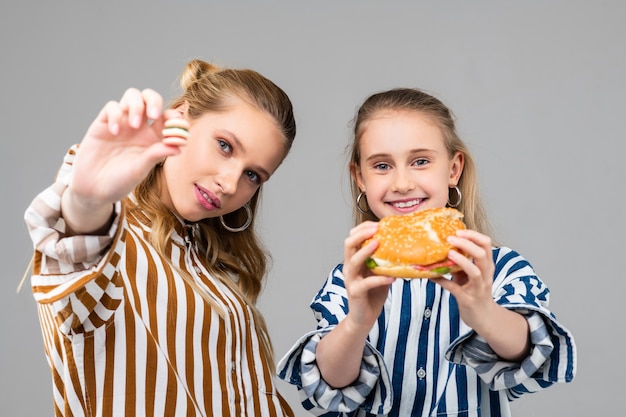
(153, 112)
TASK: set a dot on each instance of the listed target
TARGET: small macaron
(176, 132)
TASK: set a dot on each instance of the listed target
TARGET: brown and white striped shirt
(125, 335)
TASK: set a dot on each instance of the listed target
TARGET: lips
(207, 199)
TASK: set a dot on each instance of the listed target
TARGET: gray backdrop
(538, 89)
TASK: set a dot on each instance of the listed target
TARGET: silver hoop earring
(243, 226)
(358, 203)
(459, 197)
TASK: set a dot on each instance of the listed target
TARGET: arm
(371, 391)
(118, 150)
(335, 368)
(506, 331)
(72, 274)
(82, 218)
(551, 357)
(339, 353)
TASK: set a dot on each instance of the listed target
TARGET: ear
(357, 176)
(456, 168)
(182, 109)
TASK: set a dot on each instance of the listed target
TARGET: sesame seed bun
(414, 245)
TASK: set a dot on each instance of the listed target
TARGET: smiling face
(227, 157)
(404, 165)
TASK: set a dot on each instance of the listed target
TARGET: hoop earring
(358, 203)
(243, 226)
(459, 197)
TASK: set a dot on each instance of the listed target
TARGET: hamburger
(415, 245)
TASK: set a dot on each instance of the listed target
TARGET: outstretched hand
(120, 148)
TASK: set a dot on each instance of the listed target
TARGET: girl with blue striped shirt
(462, 345)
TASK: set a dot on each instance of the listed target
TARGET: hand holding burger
(415, 245)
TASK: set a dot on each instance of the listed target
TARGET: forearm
(84, 217)
(340, 352)
(507, 333)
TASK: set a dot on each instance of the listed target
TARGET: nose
(228, 179)
(402, 181)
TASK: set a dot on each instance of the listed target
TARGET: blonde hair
(419, 101)
(206, 88)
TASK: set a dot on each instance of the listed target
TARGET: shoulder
(507, 259)
(335, 277)
(511, 268)
(334, 281)
(337, 271)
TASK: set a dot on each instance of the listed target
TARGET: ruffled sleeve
(75, 275)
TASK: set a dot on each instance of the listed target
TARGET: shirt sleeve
(372, 389)
(552, 357)
(73, 275)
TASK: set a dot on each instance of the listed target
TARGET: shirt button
(421, 373)
(198, 270)
(427, 313)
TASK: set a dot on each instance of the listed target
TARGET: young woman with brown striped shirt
(147, 266)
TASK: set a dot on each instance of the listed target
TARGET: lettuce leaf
(370, 263)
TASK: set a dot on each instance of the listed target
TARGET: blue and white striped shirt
(422, 360)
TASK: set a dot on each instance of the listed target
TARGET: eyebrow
(386, 155)
(238, 144)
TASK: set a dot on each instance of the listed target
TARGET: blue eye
(382, 166)
(253, 176)
(420, 162)
(224, 145)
